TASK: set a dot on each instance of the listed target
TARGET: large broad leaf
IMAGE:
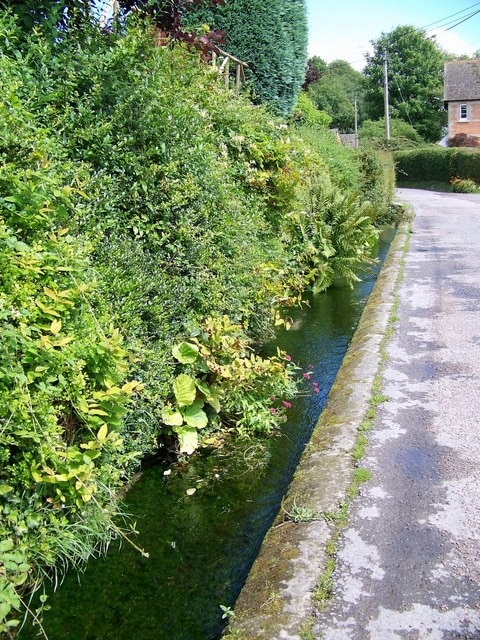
(212, 394)
(185, 352)
(196, 417)
(187, 438)
(171, 417)
(184, 389)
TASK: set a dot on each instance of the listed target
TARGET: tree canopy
(415, 70)
(316, 68)
(335, 92)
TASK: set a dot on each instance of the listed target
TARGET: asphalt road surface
(409, 559)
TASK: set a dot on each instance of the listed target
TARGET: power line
(464, 20)
(447, 18)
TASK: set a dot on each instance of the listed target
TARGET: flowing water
(202, 546)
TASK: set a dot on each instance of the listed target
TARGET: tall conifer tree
(271, 36)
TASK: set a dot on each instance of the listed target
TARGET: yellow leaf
(45, 343)
(55, 326)
(102, 432)
(128, 387)
(47, 310)
(50, 293)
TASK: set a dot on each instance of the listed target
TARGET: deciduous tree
(335, 92)
(415, 71)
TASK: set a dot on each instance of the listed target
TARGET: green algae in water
(202, 546)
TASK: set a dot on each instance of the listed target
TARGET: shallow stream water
(202, 546)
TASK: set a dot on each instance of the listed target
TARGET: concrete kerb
(276, 601)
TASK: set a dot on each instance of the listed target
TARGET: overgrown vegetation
(402, 135)
(153, 229)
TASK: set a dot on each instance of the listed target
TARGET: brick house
(462, 97)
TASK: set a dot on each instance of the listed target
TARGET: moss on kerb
(276, 600)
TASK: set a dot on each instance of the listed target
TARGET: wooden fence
(221, 62)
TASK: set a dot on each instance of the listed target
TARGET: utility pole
(385, 96)
(356, 123)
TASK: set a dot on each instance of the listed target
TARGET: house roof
(462, 80)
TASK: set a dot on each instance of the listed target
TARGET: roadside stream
(202, 546)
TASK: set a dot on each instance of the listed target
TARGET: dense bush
(152, 227)
(403, 135)
(344, 171)
(460, 185)
(463, 140)
(437, 164)
(305, 112)
(64, 389)
(378, 179)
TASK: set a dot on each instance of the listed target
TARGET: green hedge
(437, 164)
(465, 164)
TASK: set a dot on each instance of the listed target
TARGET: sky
(343, 29)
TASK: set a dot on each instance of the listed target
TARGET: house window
(463, 112)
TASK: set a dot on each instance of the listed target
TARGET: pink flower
(288, 358)
(316, 390)
(273, 411)
(287, 404)
(310, 366)
(307, 375)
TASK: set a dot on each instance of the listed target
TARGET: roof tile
(462, 80)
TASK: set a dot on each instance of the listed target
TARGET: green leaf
(5, 488)
(185, 352)
(171, 417)
(184, 389)
(6, 545)
(212, 394)
(188, 439)
(196, 417)
(5, 609)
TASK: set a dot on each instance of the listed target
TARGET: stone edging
(277, 597)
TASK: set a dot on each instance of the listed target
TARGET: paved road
(409, 560)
